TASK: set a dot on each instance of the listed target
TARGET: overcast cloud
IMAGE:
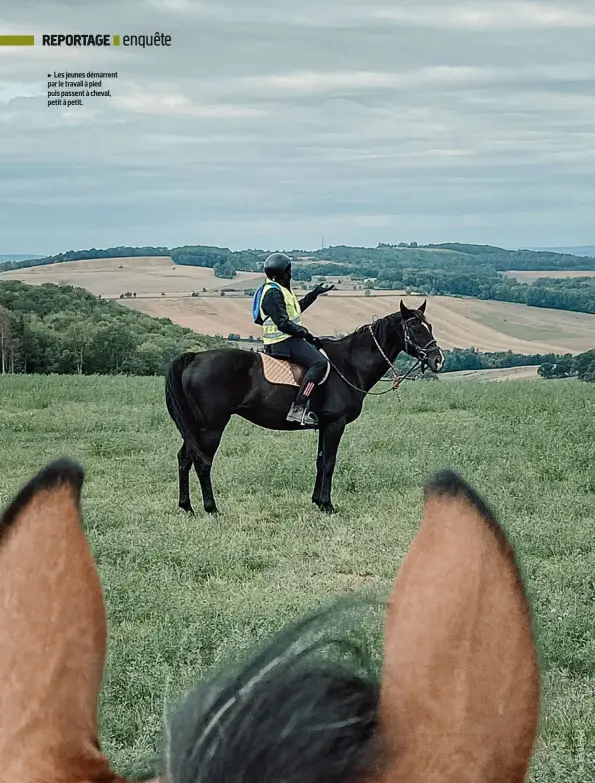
(278, 123)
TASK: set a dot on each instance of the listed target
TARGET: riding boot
(301, 414)
(300, 410)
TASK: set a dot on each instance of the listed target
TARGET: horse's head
(419, 339)
(458, 701)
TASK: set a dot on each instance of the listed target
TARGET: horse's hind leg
(184, 465)
(209, 443)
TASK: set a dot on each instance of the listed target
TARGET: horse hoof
(187, 508)
(211, 510)
(327, 508)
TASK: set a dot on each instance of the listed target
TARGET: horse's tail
(184, 412)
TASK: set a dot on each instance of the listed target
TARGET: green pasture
(185, 594)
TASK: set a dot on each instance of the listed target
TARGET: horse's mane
(289, 714)
(380, 328)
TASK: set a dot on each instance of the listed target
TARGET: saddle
(284, 371)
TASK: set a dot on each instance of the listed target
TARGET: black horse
(204, 390)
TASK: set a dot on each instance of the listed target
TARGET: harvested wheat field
(531, 277)
(145, 276)
(458, 323)
(525, 373)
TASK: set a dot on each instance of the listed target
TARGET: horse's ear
(460, 692)
(52, 635)
(405, 311)
(422, 308)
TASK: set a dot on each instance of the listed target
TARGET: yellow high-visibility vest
(270, 332)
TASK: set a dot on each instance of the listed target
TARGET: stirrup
(301, 415)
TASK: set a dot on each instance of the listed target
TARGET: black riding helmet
(277, 264)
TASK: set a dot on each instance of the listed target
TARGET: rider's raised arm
(311, 297)
(307, 300)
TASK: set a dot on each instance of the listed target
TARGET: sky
(285, 125)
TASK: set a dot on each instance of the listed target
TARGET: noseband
(419, 352)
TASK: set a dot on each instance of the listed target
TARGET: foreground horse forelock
(457, 700)
(204, 390)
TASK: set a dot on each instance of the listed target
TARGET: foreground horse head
(458, 699)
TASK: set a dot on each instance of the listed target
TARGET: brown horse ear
(52, 636)
(460, 693)
(422, 308)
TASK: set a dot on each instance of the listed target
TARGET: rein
(396, 381)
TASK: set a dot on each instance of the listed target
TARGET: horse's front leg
(318, 484)
(331, 437)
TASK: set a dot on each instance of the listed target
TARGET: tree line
(82, 255)
(62, 329)
(581, 366)
(448, 269)
(576, 294)
(458, 359)
(549, 365)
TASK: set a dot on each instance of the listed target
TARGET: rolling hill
(458, 323)
(579, 250)
(164, 289)
(145, 276)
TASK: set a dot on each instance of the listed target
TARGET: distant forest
(549, 365)
(61, 329)
(450, 269)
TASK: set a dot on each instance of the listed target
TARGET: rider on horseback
(284, 337)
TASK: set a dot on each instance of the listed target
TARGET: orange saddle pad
(281, 371)
(285, 372)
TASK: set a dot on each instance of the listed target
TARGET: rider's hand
(323, 288)
(304, 334)
(316, 342)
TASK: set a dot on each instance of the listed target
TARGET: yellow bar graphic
(116, 40)
(17, 40)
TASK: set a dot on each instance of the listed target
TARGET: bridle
(421, 354)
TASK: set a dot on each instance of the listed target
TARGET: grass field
(185, 594)
(458, 323)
